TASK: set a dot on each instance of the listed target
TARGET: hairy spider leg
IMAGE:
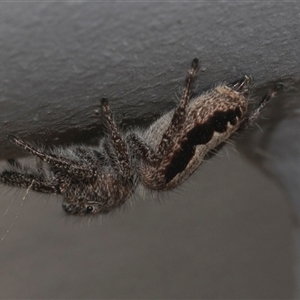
(70, 166)
(180, 112)
(122, 160)
(256, 112)
(142, 149)
(21, 177)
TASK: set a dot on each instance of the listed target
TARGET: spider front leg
(119, 148)
(72, 167)
(179, 115)
(21, 178)
(142, 149)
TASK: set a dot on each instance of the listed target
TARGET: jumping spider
(160, 157)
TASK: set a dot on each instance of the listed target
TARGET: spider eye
(89, 209)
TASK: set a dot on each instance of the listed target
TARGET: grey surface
(276, 146)
(203, 241)
(277, 150)
(58, 59)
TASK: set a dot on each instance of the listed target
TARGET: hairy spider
(161, 157)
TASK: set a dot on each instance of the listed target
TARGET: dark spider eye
(89, 209)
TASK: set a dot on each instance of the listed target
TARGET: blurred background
(231, 231)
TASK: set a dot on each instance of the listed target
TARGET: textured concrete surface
(58, 59)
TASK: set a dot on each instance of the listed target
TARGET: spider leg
(256, 112)
(180, 112)
(24, 180)
(120, 150)
(142, 149)
(70, 166)
(242, 86)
